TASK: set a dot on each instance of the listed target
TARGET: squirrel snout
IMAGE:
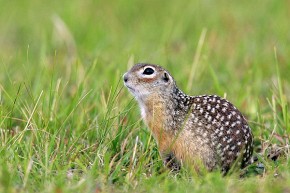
(125, 77)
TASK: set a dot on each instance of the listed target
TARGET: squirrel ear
(165, 77)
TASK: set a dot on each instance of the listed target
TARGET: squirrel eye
(148, 71)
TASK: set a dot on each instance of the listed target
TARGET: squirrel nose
(125, 77)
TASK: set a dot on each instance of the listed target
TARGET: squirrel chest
(170, 140)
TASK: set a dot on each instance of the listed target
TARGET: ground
(69, 125)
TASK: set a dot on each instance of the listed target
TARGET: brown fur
(168, 142)
(155, 119)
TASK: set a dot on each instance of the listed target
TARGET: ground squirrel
(207, 128)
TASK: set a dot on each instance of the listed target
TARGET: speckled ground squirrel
(207, 128)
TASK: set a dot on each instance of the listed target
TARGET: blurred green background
(61, 67)
(240, 37)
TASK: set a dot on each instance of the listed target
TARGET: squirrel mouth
(130, 88)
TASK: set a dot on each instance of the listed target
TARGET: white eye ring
(147, 71)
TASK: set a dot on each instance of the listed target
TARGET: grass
(68, 124)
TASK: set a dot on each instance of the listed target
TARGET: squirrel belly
(180, 143)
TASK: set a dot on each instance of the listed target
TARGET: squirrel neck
(165, 112)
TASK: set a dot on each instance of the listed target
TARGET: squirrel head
(144, 80)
